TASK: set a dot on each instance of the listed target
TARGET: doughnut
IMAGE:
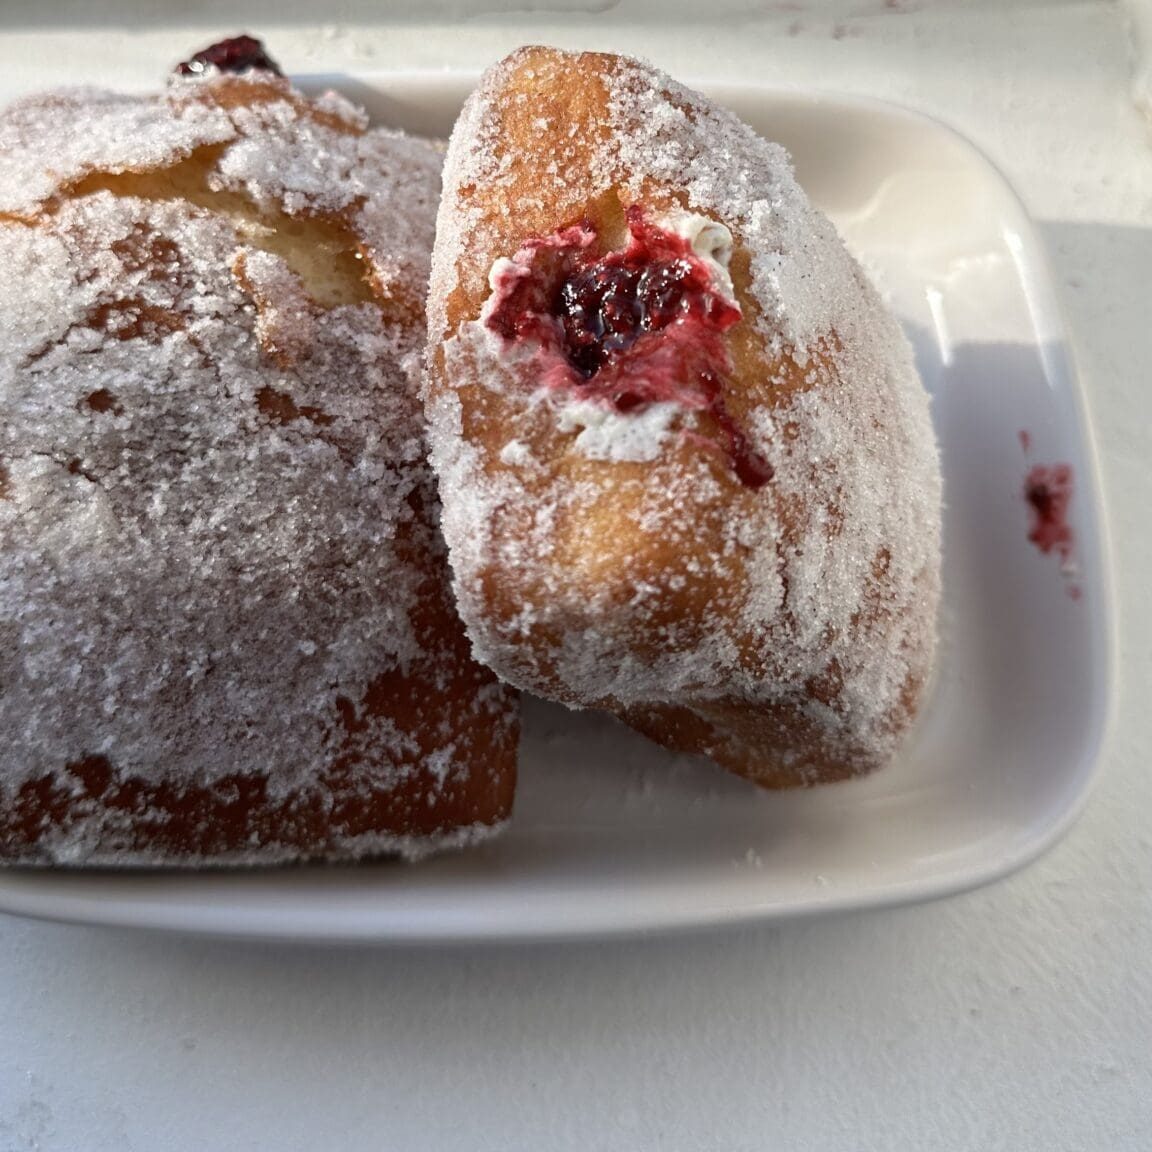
(227, 635)
(687, 467)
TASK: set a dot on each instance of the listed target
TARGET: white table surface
(1018, 1017)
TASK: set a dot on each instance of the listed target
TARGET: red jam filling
(1048, 491)
(239, 54)
(628, 328)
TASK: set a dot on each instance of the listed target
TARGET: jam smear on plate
(1048, 491)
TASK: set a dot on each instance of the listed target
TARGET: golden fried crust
(660, 559)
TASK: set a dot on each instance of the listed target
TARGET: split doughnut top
(226, 631)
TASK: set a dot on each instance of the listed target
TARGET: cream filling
(711, 242)
(609, 435)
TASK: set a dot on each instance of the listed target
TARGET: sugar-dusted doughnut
(687, 465)
(226, 632)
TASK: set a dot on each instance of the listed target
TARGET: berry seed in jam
(239, 54)
(628, 328)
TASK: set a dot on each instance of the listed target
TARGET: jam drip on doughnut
(239, 54)
(629, 328)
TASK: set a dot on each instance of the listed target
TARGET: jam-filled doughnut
(226, 631)
(687, 466)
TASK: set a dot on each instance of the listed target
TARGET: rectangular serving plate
(613, 835)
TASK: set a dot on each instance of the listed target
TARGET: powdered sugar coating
(86, 130)
(801, 616)
(146, 503)
(215, 509)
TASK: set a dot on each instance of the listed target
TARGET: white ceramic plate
(612, 835)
